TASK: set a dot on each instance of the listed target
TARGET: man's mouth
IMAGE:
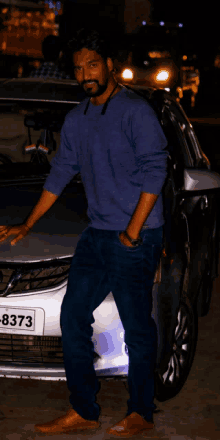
(89, 83)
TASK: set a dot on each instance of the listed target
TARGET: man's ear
(110, 64)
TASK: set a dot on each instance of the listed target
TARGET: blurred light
(58, 5)
(167, 89)
(146, 63)
(4, 10)
(162, 23)
(180, 24)
(162, 76)
(144, 23)
(127, 74)
(184, 57)
(56, 12)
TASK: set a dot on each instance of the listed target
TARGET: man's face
(91, 71)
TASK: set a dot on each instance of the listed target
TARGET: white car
(34, 273)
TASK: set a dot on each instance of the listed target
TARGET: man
(51, 49)
(116, 142)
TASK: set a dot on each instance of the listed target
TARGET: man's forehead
(86, 55)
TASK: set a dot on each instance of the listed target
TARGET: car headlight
(127, 74)
(162, 76)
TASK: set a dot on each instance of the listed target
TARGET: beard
(100, 90)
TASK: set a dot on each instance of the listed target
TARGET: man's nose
(86, 75)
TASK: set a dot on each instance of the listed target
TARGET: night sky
(201, 19)
(201, 24)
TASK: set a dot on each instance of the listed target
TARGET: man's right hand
(19, 231)
(46, 200)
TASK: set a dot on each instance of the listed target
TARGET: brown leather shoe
(132, 424)
(71, 421)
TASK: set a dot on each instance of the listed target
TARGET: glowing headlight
(162, 76)
(127, 74)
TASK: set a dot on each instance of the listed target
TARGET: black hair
(92, 39)
(51, 47)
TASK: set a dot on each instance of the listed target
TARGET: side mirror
(200, 179)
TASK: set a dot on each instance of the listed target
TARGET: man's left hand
(124, 240)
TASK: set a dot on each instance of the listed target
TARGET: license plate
(18, 319)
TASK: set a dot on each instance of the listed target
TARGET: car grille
(34, 276)
(41, 350)
(30, 349)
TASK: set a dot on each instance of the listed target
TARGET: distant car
(33, 274)
(148, 68)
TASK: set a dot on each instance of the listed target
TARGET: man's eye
(93, 65)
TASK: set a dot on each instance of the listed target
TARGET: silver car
(34, 273)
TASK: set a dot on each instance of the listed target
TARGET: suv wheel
(170, 380)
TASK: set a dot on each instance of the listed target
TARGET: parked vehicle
(33, 274)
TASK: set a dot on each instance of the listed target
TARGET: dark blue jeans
(102, 264)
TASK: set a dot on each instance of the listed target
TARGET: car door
(193, 215)
(190, 208)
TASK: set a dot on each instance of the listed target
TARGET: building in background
(24, 25)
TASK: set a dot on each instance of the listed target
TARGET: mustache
(89, 80)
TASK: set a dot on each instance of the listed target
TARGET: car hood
(54, 236)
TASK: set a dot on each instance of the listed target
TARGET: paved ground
(193, 415)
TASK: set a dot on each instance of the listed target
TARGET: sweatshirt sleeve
(64, 165)
(150, 145)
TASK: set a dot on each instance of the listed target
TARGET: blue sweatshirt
(119, 154)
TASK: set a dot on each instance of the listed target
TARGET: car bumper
(37, 353)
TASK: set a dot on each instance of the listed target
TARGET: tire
(170, 380)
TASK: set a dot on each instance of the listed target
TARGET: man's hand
(20, 231)
(124, 240)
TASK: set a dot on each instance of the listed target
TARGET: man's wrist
(134, 235)
(134, 241)
(128, 236)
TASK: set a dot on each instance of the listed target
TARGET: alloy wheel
(171, 379)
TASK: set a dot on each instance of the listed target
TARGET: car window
(193, 144)
(191, 141)
(188, 136)
(176, 143)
